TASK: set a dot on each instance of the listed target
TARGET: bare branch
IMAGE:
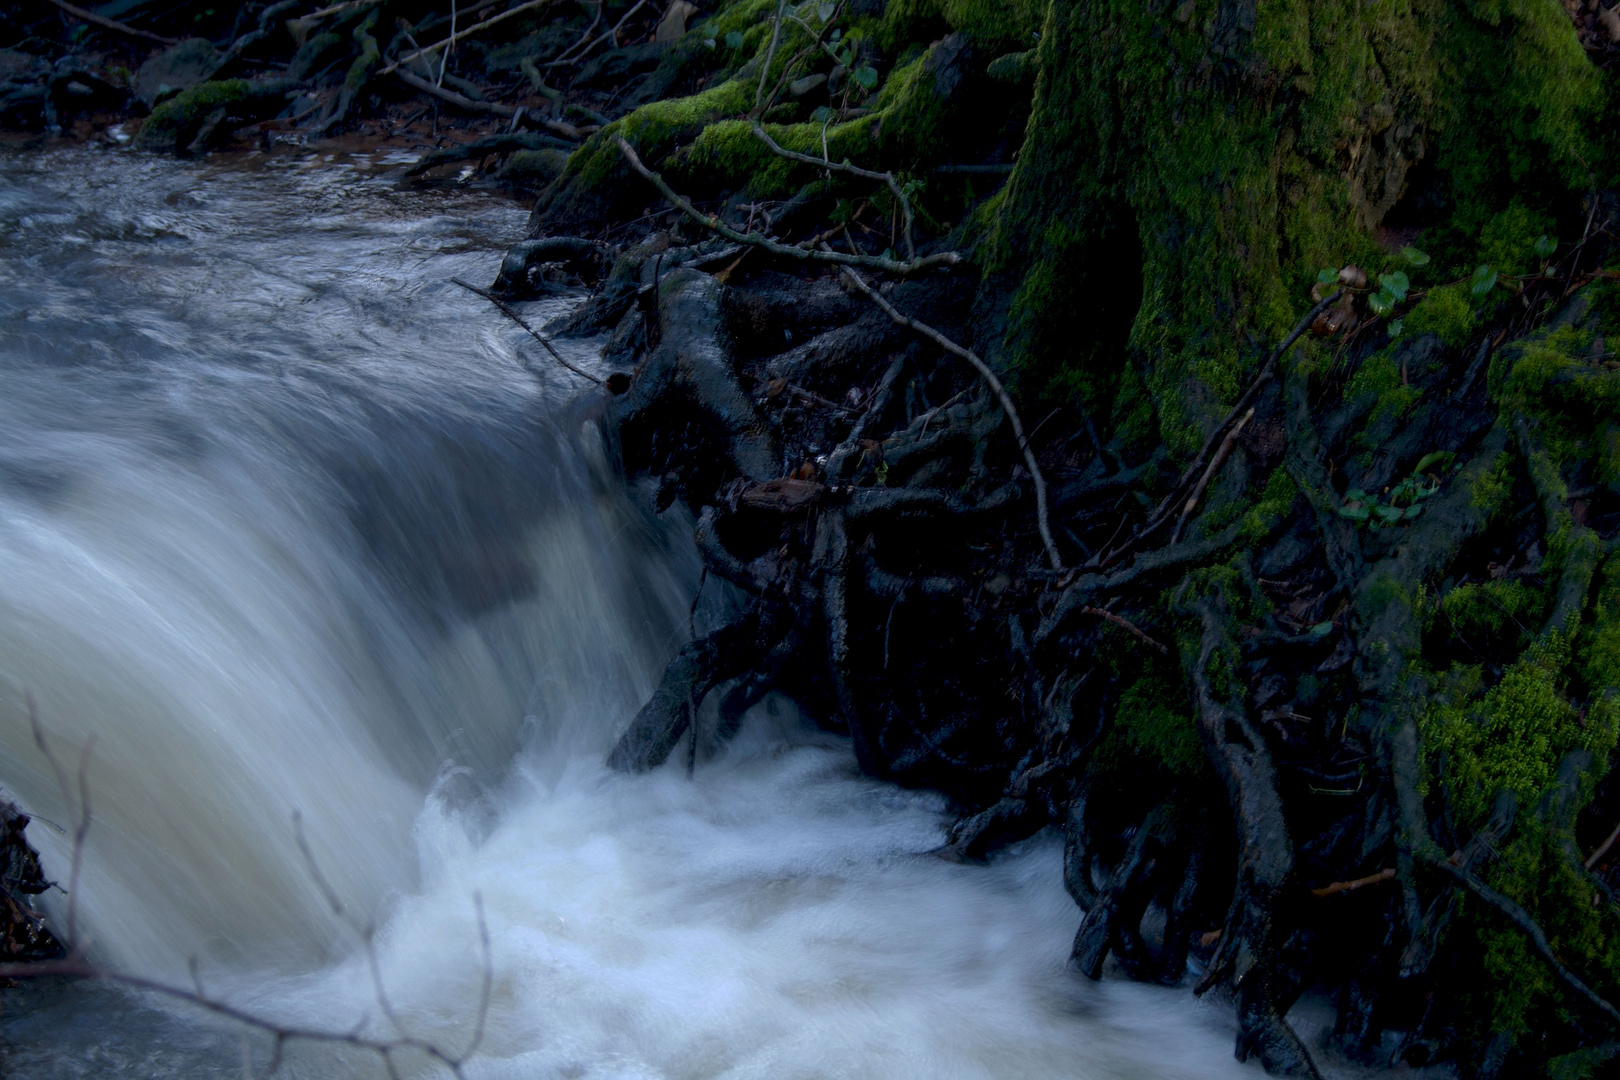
(490, 108)
(1526, 925)
(853, 170)
(458, 36)
(1214, 463)
(1122, 621)
(515, 317)
(112, 24)
(1000, 391)
(824, 255)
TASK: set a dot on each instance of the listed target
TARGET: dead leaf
(1609, 19)
(673, 24)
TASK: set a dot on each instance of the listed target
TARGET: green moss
(174, 123)
(729, 150)
(1445, 312)
(1381, 378)
(1508, 240)
(1206, 143)
(1511, 736)
(1494, 616)
(1155, 722)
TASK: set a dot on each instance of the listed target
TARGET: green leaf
(1321, 629)
(825, 11)
(835, 35)
(822, 114)
(1483, 281)
(1412, 511)
(1396, 284)
(1355, 495)
(1390, 513)
(881, 474)
(1414, 257)
(1545, 246)
(1395, 328)
(1438, 457)
(708, 42)
(1327, 276)
(867, 76)
(1355, 513)
(1381, 303)
(734, 40)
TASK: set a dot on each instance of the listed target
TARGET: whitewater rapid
(293, 528)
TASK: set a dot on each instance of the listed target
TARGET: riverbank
(1102, 424)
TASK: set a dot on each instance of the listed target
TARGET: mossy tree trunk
(1189, 166)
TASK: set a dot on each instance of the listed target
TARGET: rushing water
(291, 525)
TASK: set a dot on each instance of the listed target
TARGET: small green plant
(1403, 501)
(1483, 281)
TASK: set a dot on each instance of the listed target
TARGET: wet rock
(177, 68)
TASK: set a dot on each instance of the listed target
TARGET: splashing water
(289, 524)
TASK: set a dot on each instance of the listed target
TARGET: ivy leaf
(825, 11)
(1381, 303)
(1438, 457)
(1390, 513)
(1545, 246)
(1321, 629)
(866, 75)
(1414, 257)
(1483, 281)
(1327, 276)
(1355, 513)
(1395, 328)
(1395, 284)
(1355, 495)
(835, 35)
(822, 114)
(1412, 511)
(708, 43)
(734, 40)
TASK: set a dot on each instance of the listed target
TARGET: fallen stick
(1386, 874)
(1120, 620)
(515, 317)
(112, 24)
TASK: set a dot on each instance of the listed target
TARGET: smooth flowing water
(293, 528)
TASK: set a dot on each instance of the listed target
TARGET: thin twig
(770, 58)
(853, 170)
(1000, 391)
(490, 108)
(112, 24)
(1161, 514)
(612, 34)
(1386, 874)
(455, 37)
(821, 255)
(1603, 848)
(515, 317)
(1214, 463)
(1122, 621)
(80, 815)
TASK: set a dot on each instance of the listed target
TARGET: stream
(322, 554)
